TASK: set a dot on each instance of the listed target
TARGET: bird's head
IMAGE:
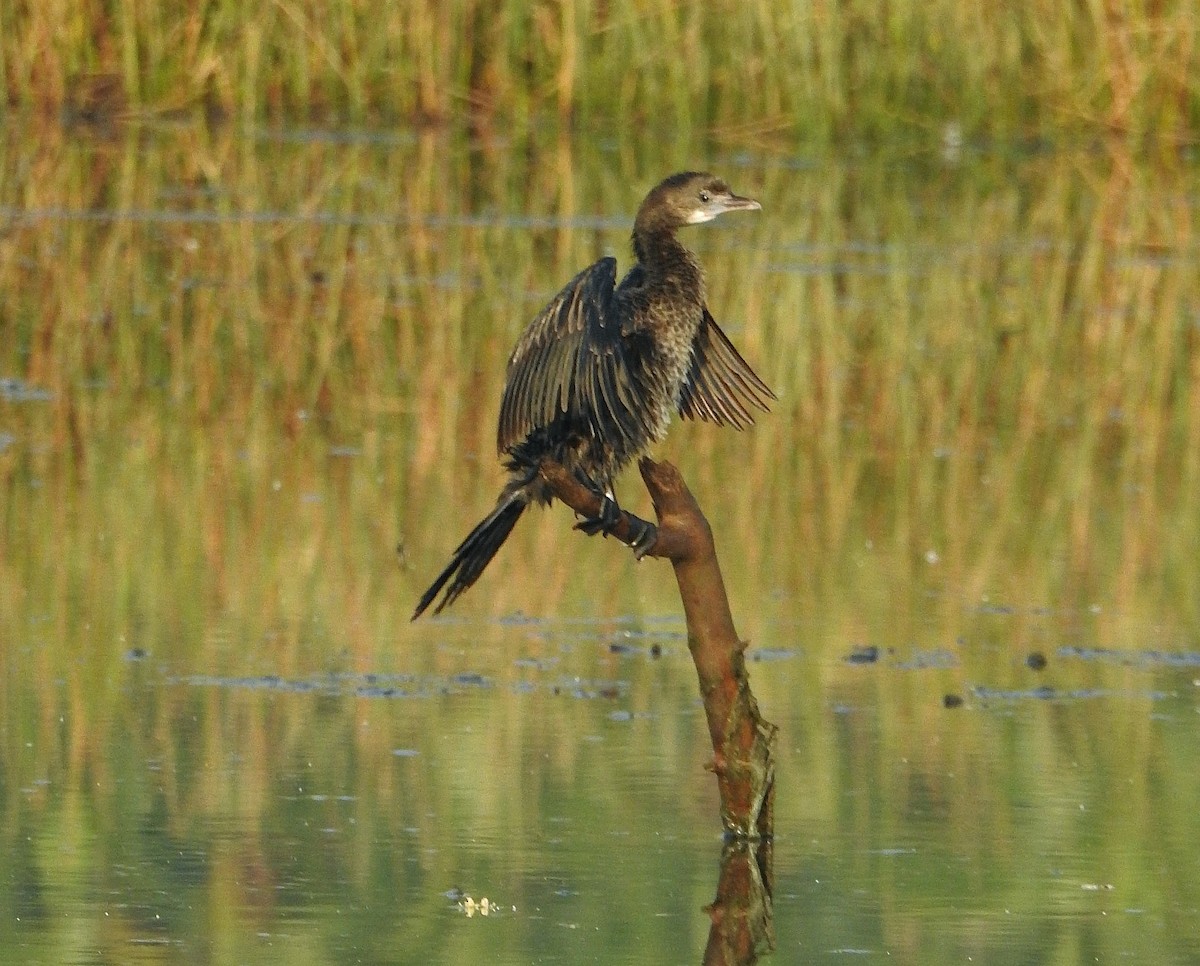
(689, 198)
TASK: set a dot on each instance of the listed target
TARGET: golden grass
(812, 70)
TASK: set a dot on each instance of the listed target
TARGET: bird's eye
(704, 197)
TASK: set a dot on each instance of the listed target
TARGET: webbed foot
(605, 521)
(643, 540)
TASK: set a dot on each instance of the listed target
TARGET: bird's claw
(643, 541)
(605, 521)
(643, 535)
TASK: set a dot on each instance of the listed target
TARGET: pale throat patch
(698, 216)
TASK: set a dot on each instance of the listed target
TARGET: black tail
(474, 553)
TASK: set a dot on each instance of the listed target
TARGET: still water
(236, 371)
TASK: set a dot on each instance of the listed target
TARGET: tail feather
(475, 552)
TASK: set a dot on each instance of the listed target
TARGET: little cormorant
(599, 373)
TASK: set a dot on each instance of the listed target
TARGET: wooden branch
(674, 539)
(743, 743)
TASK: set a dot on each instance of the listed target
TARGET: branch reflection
(742, 915)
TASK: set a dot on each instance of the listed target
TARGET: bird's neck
(664, 259)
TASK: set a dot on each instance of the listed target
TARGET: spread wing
(572, 360)
(721, 387)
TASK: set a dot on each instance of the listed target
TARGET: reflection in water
(742, 927)
(221, 738)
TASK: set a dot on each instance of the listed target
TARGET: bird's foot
(643, 538)
(605, 521)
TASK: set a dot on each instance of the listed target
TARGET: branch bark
(743, 743)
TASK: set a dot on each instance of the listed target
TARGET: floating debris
(863, 655)
(1132, 658)
(928, 660)
(1046, 693)
(469, 906)
(400, 686)
(1041, 693)
(472, 906)
(773, 653)
(19, 391)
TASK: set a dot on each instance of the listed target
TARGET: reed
(813, 71)
(1028, 354)
(994, 370)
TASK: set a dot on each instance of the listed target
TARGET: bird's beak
(738, 203)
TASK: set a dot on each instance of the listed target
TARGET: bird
(600, 372)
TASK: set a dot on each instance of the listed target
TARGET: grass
(811, 70)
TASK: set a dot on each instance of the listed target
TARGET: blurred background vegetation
(995, 360)
(815, 69)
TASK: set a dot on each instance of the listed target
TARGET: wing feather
(572, 361)
(720, 386)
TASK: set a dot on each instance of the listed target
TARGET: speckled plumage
(598, 375)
